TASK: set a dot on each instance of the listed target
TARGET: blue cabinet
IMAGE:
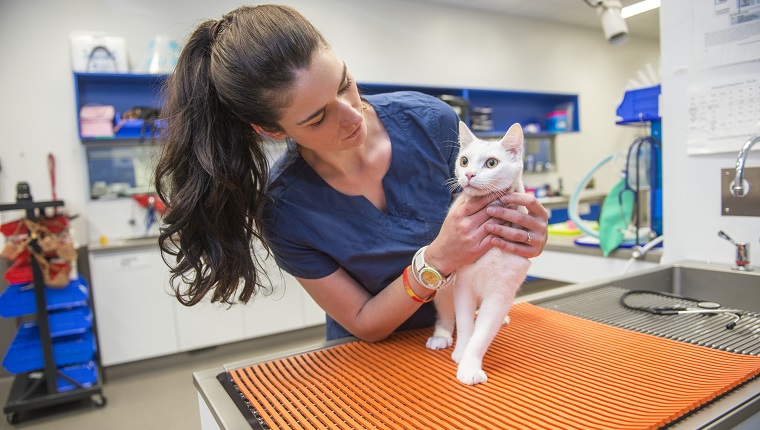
(118, 163)
(123, 92)
(505, 107)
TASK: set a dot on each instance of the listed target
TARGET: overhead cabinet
(118, 162)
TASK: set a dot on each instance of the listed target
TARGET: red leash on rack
(51, 170)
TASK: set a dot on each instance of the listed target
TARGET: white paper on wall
(726, 32)
(723, 115)
(98, 52)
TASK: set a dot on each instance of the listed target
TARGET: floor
(159, 393)
(154, 394)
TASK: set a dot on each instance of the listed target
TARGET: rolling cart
(58, 381)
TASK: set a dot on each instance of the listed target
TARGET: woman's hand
(517, 232)
(465, 235)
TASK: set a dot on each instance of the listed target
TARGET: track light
(613, 24)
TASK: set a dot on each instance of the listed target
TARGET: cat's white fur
(482, 293)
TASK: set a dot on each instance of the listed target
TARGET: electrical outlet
(749, 205)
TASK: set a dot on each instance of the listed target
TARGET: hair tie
(213, 31)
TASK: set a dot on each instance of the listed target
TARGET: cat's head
(489, 166)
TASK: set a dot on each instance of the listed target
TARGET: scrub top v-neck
(314, 229)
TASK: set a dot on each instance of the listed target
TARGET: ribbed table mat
(546, 370)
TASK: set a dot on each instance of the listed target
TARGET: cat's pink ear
(465, 135)
(513, 140)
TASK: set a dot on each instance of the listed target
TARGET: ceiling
(571, 12)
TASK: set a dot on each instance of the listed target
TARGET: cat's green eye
(463, 162)
(491, 163)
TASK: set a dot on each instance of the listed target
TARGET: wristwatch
(428, 276)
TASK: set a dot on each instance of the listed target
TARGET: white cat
(487, 287)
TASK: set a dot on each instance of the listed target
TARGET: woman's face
(325, 110)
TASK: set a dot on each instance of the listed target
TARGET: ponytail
(212, 175)
(213, 171)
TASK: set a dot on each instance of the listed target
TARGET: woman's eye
(346, 87)
(318, 123)
(342, 90)
(463, 162)
(491, 163)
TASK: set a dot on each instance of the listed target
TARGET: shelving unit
(126, 91)
(40, 387)
(508, 107)
(123, 91)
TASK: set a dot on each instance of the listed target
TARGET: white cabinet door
(281, 311)
(207, 324)
(134, 309)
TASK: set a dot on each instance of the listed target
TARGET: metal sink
(706, 282)
(600, 301)
(731, 288)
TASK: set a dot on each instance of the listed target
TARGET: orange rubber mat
(545, 370)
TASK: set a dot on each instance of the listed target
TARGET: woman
(346, 210)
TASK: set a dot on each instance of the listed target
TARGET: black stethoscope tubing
(703, 307)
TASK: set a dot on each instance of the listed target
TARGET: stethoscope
(710, 308)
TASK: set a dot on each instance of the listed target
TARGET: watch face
(430, 277)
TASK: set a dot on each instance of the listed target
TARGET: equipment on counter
(622, 219)
(152, 205)
(701, 307)
(620, 223)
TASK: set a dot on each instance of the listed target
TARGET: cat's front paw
(506, 320)
(471, 375)
(439, 342)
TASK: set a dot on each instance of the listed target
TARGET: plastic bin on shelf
(68, 322)
(640, 105)
(18, 299)
(85, 374)
(21, 270)
(25, 353)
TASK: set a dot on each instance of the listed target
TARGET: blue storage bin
(556, 121)
(85, 374)
(25, 353)
(18, 299)
(68, 322)
(640, 105)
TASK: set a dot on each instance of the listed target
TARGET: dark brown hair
(213, 170)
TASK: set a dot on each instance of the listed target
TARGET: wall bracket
(749, 205)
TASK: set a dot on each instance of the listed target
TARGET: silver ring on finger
(528, 239)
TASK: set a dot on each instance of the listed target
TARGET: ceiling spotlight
(613, 24)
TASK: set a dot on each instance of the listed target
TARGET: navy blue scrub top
(314, 229)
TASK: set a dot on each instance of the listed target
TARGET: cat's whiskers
(452, 184)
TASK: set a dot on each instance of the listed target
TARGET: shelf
(30, 205)
(74, 374)
(123, 91)
(508, 107)
(126, 91)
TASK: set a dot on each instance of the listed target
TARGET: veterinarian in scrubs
(361, 190)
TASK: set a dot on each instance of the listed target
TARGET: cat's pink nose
(469, 176)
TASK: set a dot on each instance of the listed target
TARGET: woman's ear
(276, 135)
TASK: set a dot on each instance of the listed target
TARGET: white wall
(691, 184)
(387, 41)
